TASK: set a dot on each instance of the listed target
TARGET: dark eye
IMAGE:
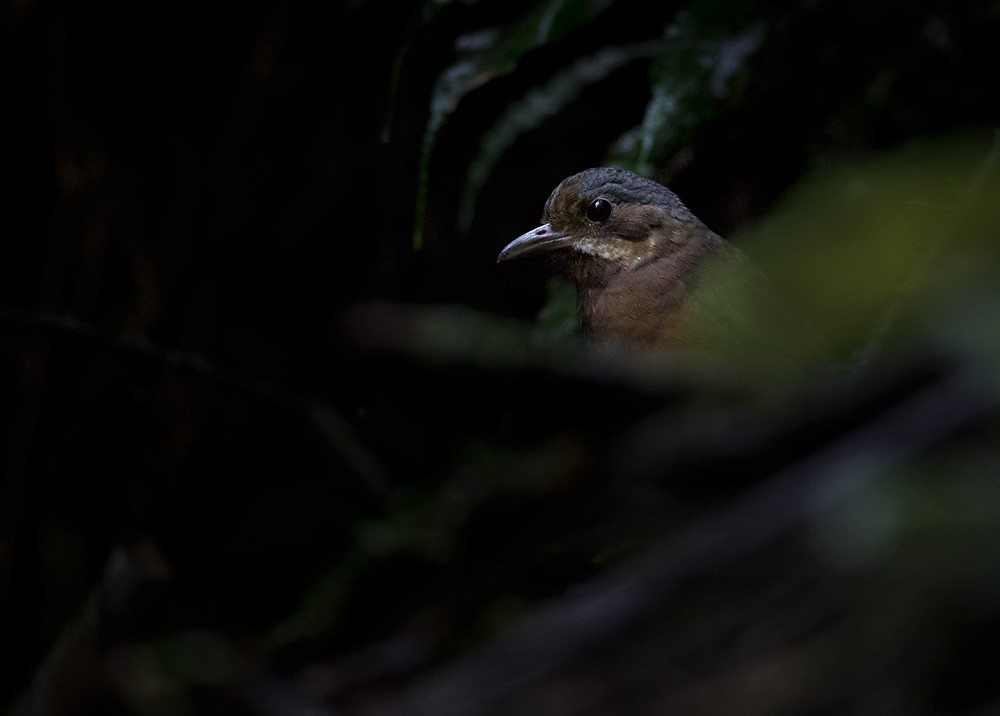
(599, 210)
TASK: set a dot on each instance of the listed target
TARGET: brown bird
(649, 273)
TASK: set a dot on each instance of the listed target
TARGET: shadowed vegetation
(279, 434)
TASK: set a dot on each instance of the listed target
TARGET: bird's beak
(536, 241)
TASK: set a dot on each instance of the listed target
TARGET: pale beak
(536, 241)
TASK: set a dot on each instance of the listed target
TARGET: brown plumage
(648, 272)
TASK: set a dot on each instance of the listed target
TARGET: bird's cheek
(634, 223)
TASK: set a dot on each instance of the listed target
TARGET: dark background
(277, 433)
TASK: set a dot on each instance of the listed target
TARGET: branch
(591, 616)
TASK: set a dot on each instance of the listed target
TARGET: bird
(649, 274)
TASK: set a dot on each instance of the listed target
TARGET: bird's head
(605, 221)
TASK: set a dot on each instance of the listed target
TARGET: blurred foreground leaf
(883, 237)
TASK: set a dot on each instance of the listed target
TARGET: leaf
(538, 105)
(701, 51)
(484, 56)
(873, 245)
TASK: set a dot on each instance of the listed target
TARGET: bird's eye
(599, 210)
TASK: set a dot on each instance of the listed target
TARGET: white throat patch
(624, 253)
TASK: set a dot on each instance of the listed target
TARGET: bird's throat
(642, 305)
(621, 254)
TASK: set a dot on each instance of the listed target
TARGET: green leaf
(868, 249)
(485, 55)
(700, 53)
(538, 105)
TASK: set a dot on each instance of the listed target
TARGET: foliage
(261, 455)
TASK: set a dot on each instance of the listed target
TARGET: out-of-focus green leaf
(870, 245)
(738, 316)
(321, 608)
(486, 55)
